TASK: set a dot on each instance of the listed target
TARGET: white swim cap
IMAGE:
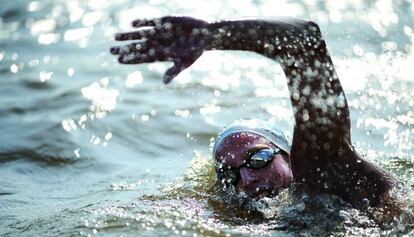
(264, 128)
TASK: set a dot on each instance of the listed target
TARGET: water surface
(90, 147)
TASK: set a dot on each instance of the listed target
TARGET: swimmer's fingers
(171, 73)
(174, 39)
(146, 22)
(138, 58)
(142, 47)
(125, 49)
(155, 22)
(135, 35)
(135, 58)
(157, 55)
(142, 52)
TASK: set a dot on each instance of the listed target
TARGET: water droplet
(77, 152)
(14, 68)
(45, 76)
(70, 72)
(108, 136)
(144, 117)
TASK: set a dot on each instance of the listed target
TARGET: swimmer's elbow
(313, 30)
(313, 36)
(310, 30)
(313, 27)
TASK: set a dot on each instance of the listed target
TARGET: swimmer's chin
(261, 192)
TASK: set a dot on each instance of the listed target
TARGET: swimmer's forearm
(273, 39)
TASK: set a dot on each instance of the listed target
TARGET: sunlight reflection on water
(128, 134)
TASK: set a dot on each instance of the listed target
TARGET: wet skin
(236, 149)
(322, 156)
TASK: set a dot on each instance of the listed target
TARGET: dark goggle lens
(261, 158)
(258, 160)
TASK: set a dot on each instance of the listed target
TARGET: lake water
(89, 147)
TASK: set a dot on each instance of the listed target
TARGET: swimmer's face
(253, 164)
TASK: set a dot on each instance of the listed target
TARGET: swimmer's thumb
(173, 72)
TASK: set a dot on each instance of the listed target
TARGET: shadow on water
(30, 155)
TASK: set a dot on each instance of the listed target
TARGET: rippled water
(90, 147)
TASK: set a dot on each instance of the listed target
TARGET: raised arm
(318, 100)
(322, 156)
(317, 97)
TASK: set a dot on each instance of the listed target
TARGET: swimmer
(251, 155)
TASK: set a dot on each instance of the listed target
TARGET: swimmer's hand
(180, 40)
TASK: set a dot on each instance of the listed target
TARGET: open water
(89, 147)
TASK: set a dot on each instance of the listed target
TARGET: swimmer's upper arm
(317, 97)
(354, 178)
(318, 100)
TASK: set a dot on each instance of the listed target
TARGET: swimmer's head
(254, 156)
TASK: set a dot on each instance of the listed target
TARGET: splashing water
(89, 147)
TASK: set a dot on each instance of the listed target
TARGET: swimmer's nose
(247, 179)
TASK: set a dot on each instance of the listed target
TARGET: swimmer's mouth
(265, 191)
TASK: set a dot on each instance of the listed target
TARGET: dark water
(90, 147)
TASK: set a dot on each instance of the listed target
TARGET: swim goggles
(258, 160)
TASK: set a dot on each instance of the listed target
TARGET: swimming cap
(263, 128)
